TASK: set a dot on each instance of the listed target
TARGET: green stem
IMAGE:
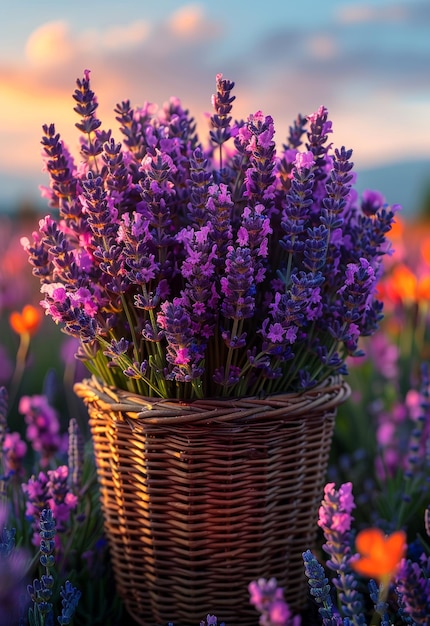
(230, 355)
(21, 360)
(132, 328)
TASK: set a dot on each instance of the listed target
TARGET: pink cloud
(50, 44)
(360, 13)
(190, 21)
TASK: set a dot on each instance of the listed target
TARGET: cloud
(139, 61)
(410, 12)
(189, 21)
(122, 36)
(50, 44)
(322, 46)
(359, 77)
(362, 13)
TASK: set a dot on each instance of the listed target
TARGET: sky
(367, 62)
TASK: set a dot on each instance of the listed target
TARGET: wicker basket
(199, 499)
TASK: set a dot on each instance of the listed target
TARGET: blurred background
(367, 62)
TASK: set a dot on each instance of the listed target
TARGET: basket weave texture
(201, 498)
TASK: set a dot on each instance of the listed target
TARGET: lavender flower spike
(335, 520)
(221, 119)
(320, 590)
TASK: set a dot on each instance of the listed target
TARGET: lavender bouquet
(193, 271)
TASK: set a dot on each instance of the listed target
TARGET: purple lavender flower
(296, 131)
(43, 427)
(41, 590)
(259, 183)
(62, 170)
(268, 599)
(297, 210)
(61, 501)
(338, 188)
(36, 491)
(182, 353)
(319, 129)
(413, 589)
(13, 574)
(200, 296)
(237, 285)
(49, 491)
(220, 120)
(371, 202)
(86, 107)
(4, 402)
(335, 520)
(219, 210)
(381, 606)
(201, 179)
(14, 451)
(268, 256)
(70, 597)
(320, 590)
(75, 457)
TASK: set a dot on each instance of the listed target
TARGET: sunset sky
(367, 62)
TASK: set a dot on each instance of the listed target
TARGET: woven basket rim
(147, 410)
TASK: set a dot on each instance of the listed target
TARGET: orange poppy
(26, 322)
(402, 284)
(380, 554)
(423, 289)
(425, 250)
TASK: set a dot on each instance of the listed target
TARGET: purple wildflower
(138, 250)
(86, 107)
(237, 284)
(61, 501)
(133, 123)
(49, 491)
(41, 590)
(36, 491)
(259, 180)
(4, 403)
(219, 209)
(354, 303)
(296, 131)
(268, 599)
(14, 451)
(62, 171)
(335, 520)
(13, 574)
(337, 188)
(199, 270)
(75, 456)
(320, 590)
(319, 129)
(43, 427)
(371, 202)
(70, 597)
(201, 179)
(182, 353)
(221, 119)
(412, 586)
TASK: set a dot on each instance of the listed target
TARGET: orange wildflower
(26, 322)
(423, 289)
(425, 250)
(402, 284)
(397, 228)
(380, 554)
